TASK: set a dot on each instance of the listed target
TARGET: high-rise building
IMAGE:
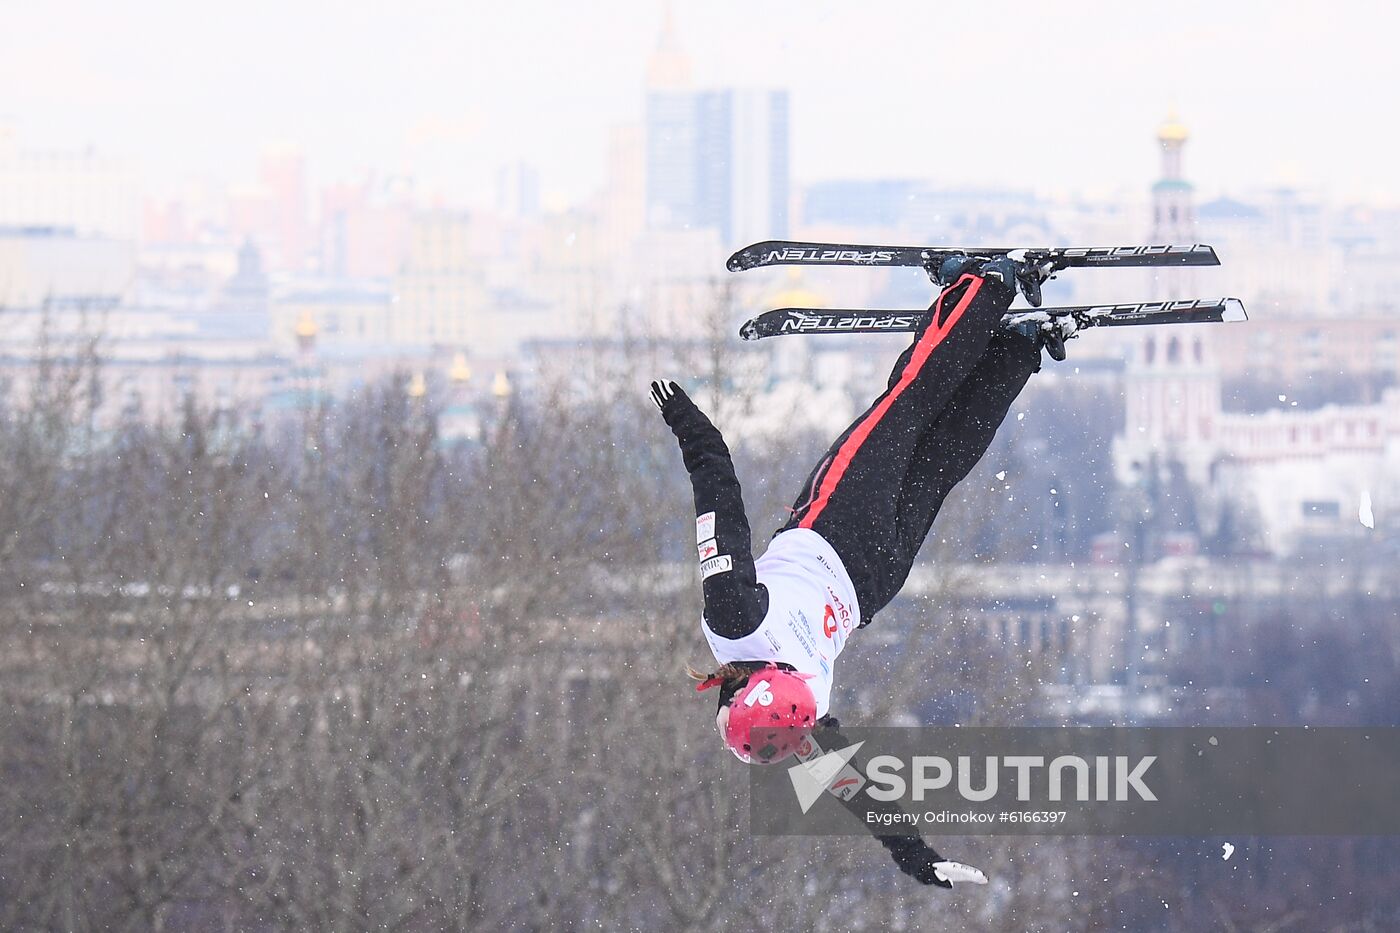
(742, 158)
(76, 190)
(670, 133)
(282, 174)
(624, 200)
(715, 159)
(365, 227)
(517, 191)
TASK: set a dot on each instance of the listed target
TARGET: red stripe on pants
(928, 342)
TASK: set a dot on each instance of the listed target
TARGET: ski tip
(1234, 311)
(747, 257)
(1202, 254)
(749, 330)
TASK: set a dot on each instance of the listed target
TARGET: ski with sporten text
(810, 321)
(801, 253)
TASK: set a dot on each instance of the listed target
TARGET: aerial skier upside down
(777, 625)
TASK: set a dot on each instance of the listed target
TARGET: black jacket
(735, 602)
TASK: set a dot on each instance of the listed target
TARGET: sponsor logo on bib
(721, 564)
(841, 612)
(704, 527)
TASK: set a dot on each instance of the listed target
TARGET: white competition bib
(811, 611)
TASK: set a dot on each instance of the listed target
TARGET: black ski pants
(875, 494)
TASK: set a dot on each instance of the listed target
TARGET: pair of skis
(782, 321)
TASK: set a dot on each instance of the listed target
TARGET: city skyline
(450, 94)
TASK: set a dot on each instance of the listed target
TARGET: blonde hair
(731, 676)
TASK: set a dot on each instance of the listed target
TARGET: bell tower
(1173, 209)
(1171, 384)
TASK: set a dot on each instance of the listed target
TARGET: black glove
(668, 397)
(916, 859)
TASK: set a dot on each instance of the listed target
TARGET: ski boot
(1016, 269)
(1030, 273)
(1048, 331)
(952, 269)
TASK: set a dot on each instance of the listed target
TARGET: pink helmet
(769, 716)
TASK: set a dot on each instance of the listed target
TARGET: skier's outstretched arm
(735, 602)
(915, 857)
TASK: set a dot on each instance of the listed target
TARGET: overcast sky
(1055, 97)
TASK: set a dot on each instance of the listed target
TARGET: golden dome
(417, 386)
(459, 371)
(1172, 131)
(794, 294)
(500, 387)
(306, 325)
